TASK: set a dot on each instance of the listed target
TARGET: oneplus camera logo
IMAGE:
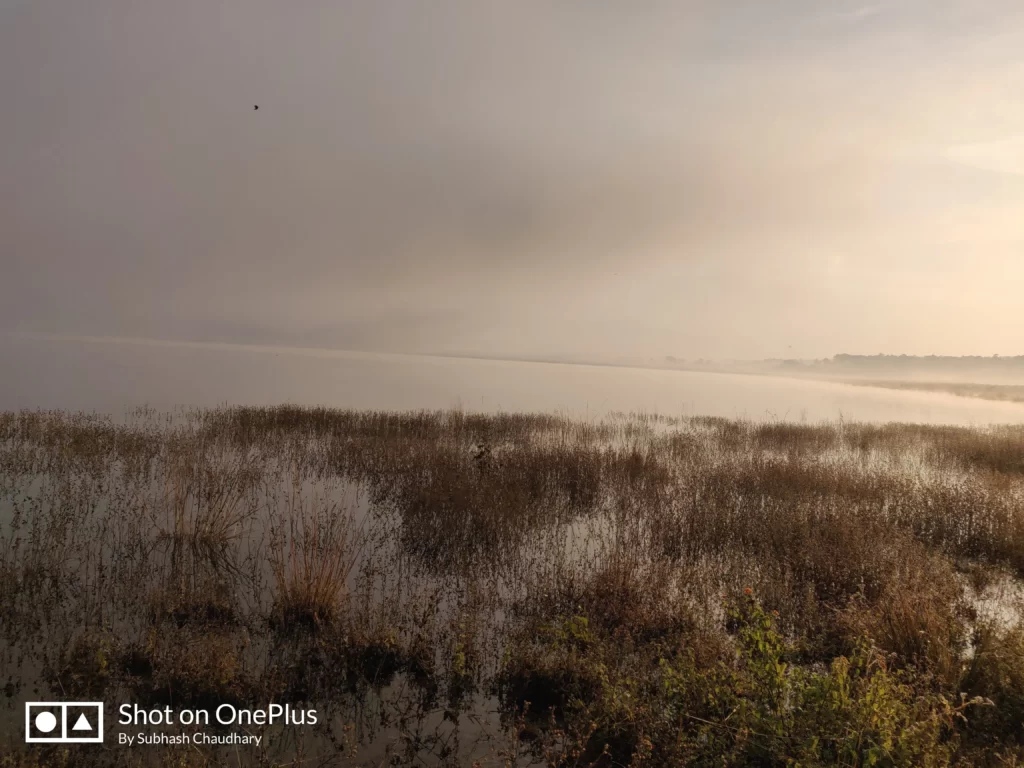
(64, 722)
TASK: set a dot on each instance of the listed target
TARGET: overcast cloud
(716, 179)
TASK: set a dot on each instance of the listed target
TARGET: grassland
(459, 589)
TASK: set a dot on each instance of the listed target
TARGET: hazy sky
(587, 177)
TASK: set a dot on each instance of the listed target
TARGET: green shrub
(754, 709)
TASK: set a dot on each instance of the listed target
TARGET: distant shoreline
(1013, 393)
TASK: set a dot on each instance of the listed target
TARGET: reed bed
(451, 588)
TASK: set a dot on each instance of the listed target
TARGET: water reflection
(111, 377)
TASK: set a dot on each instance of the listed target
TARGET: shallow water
(114, 376)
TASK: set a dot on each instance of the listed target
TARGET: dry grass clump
(920, 617)
(458, 506)
(207, 496)
(626, 593)
(314, 548)
(203, 604)
(800, 439)
(996, 671)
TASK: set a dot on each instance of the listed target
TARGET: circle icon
(46, 722)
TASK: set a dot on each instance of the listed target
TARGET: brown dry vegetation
(517, 589)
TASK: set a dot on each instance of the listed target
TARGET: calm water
(110, 377)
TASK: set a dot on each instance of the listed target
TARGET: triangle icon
(81, 724)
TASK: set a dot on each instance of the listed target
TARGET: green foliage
(759, 709)
(569, 632)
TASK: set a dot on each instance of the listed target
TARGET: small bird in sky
(256, 106)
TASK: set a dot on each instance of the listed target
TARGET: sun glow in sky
(700, 179)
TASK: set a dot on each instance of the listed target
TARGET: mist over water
(114, 376)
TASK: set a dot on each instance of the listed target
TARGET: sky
(584, 178)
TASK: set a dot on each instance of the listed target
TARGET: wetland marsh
(450, 588)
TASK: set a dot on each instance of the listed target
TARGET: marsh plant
(314, 547)
(451, 588)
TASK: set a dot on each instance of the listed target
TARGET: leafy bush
(756, 708)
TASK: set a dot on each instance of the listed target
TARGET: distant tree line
(995, 364)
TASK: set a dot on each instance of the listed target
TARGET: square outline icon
(64, 738)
